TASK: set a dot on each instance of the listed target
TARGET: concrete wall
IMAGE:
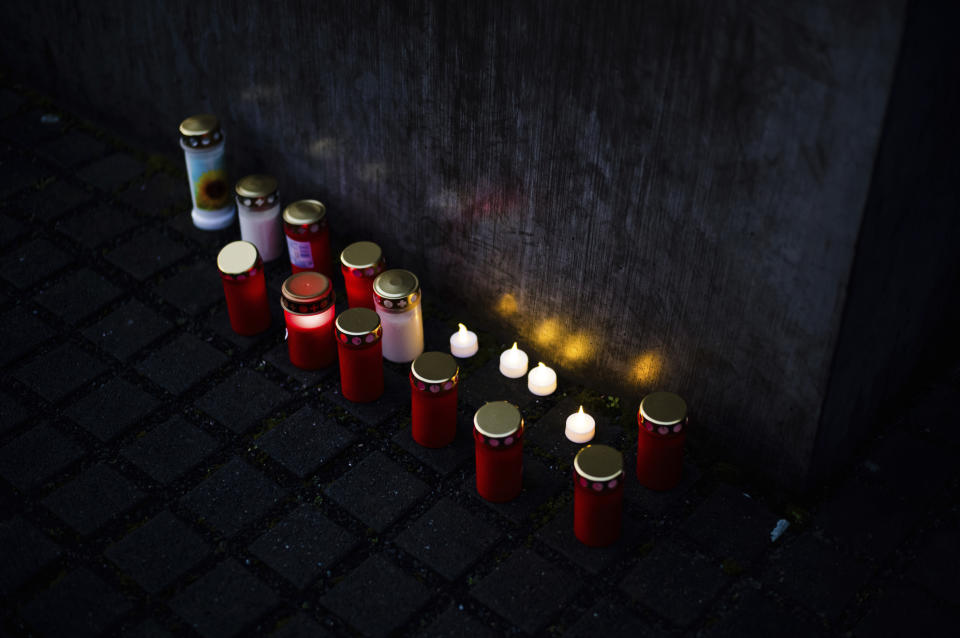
(654, 194)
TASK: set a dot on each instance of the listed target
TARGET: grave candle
(542, 380)
(662, 420)
(203, 144)
(581, 427)
(258, 203)
(597, 495)
(360, 263)
(463, 343)
(308, 237)
(245, 287)
(307, 299)
(360, 353)
(396, 294)
(498, 446)
(513, 362)
(434, 377)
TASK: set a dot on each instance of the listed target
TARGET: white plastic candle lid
(598, 463)
(434, 367)
(663, 408)
(498, 419)
(361, 254)
(237, 257)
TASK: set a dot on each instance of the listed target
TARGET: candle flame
(463, 329)
(540, 364)
(581, 410)
(514, 346)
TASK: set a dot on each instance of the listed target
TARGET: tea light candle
(542, 380)
(513, 362)
(463, 343)
(581, 427)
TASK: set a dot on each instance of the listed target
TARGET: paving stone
(20, 173)
(303, 545)
(10, 102)
(487, 384)
(234, 496)
(219, 324)
(146, 254)
(446, 459)
(448, 538)
(27, 551)
(377, 597)
(675, 582)
(545, 590)
(55, 374)
(159, 552)
(937, 412)
(226, 601)
(111, 172)
(539, 484)
(755, 614)
(730, 524)
(158, 194)
(36, 455)
(12, 412)
(170, 449)
(300, 626)
(241, 400)
(909, 465)
(148, 629)
(10, 229)
(28, 128)
(193, 289)
(559, 535)
(304, 441)
(548, 433)
(937, 566)
(126, 330)
(454, 622)
(610, 619)
(377, 491)
(28, 264)
(93, 498)
(23, 330)
(93, 227)
(53, 201)
(279, 358)
(816, 575)
(644, 499)
(78, 294)
(209, 240)
(181, 363)
(111, 409)
(396, 397)
(72, 148)
(79, 604)
(904, 610)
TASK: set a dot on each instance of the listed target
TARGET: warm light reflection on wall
(547, 333)
(646, 368)
(575, 348)
(507, 305)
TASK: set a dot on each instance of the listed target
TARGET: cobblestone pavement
(160, 475)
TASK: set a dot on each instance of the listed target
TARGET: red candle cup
(597, 495)
(434, 377)
(498, 444)
(360, 263)
(307, 299)
(662, 419)
(360, 352)
(245, 287)
(308, 237)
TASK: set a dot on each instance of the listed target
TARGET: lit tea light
(581, 427)
(463, 343)
(542, 380)
(513, 362)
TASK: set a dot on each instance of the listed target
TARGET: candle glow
(463, 343)
(581, 427)
(542, 380)
(513, 362)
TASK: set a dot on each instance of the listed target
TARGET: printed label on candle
(300, 254)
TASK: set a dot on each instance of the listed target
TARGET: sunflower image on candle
(212, 190)
(203, 142)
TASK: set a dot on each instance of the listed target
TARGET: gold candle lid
(598, 463)
(663, 408)
(361, 254)
(435, 368)
(396, 290)
(257, 190)
(201, 131)
(304, 212)
(306, 293)
(237, 258)
(358, 321)
(498, 419)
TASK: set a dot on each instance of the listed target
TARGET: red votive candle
(662, 419)
(597, 495)
(498, 444)
(360, 263)
(308, 237)
(433, 398)
(245, 287)
(361, 354)
(307, 299)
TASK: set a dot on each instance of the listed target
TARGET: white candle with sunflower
(203, 145)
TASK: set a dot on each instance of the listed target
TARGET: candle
(498, 450)
(245, 287)
(258, 203)
(580, 427)
(308, 237)
(463, 343)
(597, 495)
(396, 295)
(542, 380)
(433, 399)
(307, 299)
(360, 353)
(360, 263)
(202, 142)
(662, 421)
(513, 362)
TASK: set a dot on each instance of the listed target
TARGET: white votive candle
(542, 380)
(580, 427)
(463, 343)
(513, 362)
